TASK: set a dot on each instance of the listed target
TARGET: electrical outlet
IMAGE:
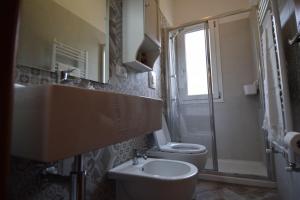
(121, 71)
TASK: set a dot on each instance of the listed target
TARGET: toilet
(165, 148)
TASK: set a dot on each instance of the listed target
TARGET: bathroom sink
(53, 122)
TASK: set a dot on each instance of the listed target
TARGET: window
(195, 62)
(192, 63)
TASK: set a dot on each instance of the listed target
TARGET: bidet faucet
(137, 155)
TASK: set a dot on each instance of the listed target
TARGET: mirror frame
(105, 55)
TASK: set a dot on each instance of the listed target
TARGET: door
(151, 20)
(196, 123)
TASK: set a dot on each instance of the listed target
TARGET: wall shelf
(141, 43)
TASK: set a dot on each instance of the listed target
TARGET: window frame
(215, 61)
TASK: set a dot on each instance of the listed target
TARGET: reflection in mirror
(65, 35)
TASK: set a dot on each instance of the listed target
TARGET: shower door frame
(171, 36)
(211, 101)
(215, 171)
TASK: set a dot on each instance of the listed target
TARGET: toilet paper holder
(292, 167)
(279, 149)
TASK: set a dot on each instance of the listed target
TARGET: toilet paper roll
(292, 140)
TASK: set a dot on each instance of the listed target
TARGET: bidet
(157, 179)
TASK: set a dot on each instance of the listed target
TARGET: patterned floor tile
(207, 190)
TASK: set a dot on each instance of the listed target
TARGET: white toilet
(192, 153)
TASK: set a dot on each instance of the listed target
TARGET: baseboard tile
(237, 180)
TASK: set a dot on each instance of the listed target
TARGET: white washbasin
(157, 179)
(53, 122)
(166, 168)
(156, 168)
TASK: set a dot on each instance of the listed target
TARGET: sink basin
(53, 122)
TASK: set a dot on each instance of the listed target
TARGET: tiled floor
(220, 191)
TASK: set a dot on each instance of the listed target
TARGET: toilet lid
(182, 148)
(162, 136)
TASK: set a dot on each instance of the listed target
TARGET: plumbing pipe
(78, 176)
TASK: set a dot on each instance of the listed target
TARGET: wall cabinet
(151, 20)
(141, 45)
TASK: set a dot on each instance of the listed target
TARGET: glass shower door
(193, 116)
(209, 107)
(240, 140)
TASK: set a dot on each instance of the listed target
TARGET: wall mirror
(65, 35)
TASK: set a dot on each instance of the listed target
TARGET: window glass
(196, 69)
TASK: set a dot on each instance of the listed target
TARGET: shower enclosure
(209, 63)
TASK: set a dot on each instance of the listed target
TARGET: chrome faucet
(137, 155)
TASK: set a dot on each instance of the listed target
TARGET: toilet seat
(183, 148)
(188, 152)
(164, 143)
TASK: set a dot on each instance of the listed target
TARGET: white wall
(192, 10)
(288, 183)
(92, 11)
(238, 132)
(167, 7)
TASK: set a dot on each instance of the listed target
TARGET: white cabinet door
(151, 20)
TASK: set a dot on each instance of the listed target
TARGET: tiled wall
(26, 179)
(289, 182)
